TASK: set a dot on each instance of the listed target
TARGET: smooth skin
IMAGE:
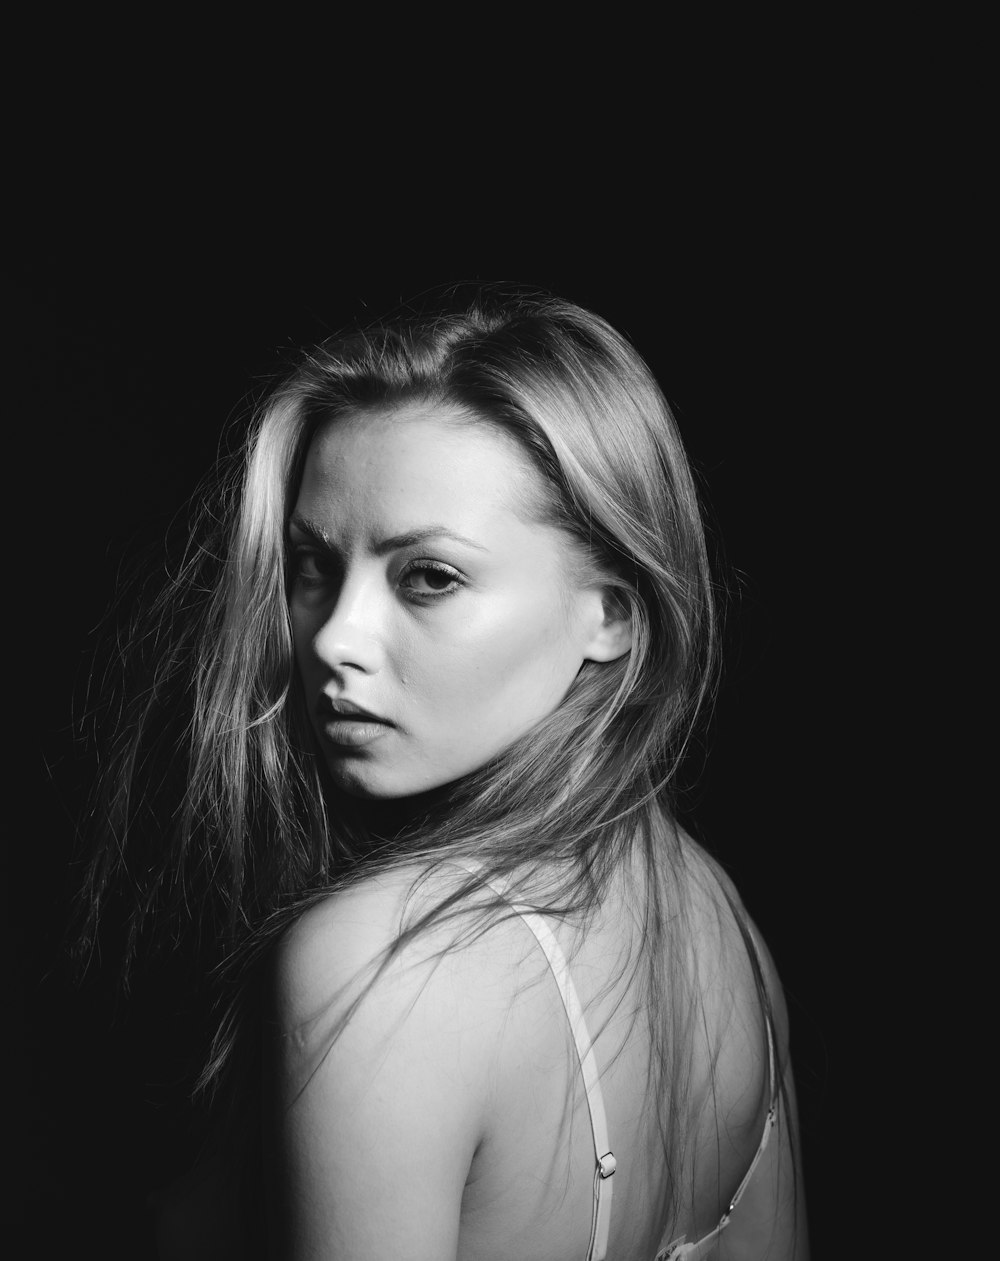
(426, 595)
(446, 1120)
(437, 1126)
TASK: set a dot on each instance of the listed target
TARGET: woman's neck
(387, 819)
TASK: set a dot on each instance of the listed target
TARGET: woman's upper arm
(770, 1218)
(371, 1135)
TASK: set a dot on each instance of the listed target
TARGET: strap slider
(607, 1164)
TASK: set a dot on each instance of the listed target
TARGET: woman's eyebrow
(305, 526)
(412, 537)
(408, 539)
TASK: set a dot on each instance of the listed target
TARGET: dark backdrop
(140, 351)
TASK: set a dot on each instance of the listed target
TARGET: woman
(451, 657)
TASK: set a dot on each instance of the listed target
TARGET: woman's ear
(612, 637)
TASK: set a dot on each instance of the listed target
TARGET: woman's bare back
(490, 1016)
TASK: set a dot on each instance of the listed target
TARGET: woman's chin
(386, 807)
(364, 784)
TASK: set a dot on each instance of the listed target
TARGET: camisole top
(677, 1249)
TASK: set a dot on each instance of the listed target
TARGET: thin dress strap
(605, 1163)
(604, 1158)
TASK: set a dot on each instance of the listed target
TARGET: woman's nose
(351, 635)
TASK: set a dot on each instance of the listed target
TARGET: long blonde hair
(255, 834)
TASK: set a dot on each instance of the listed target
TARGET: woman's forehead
(421, 458)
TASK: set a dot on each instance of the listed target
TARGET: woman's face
(434, 622)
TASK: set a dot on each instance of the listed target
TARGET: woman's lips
(352, 731)
(349, 726)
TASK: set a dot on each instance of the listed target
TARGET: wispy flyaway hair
(249, 831)
(250, 826)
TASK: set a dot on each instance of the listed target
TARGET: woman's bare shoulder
(381, 1058)
(720, 901)
(357, 935)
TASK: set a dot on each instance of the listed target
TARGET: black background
(142, 345)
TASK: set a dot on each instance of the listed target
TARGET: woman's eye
(312, 567)
(429, 580)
